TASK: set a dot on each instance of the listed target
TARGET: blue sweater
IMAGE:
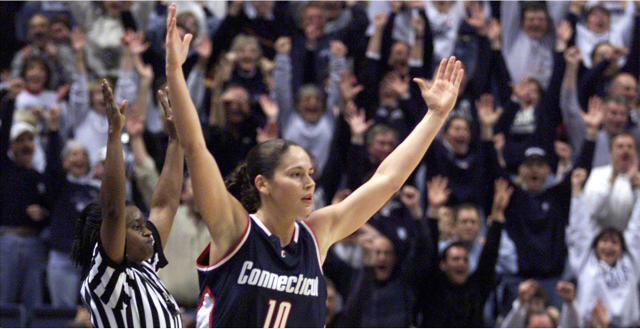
(20, 186)
(67, 198)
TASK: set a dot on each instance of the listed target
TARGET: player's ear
(262, 184)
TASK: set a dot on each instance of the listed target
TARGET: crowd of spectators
(525, 211)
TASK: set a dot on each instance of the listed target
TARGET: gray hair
(73, 144)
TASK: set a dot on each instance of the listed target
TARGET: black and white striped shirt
(128, 295)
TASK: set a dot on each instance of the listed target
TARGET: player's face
(139, 237)
(456, 265)
(292, 185)
(609, 249)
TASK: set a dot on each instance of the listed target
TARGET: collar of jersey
(258, 221)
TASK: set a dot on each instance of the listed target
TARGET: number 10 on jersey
(282, 315)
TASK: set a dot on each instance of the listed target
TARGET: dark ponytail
(263, 159)
(85, 235)
(241, 187)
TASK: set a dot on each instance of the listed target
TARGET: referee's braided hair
(86, 234)
(262, 159)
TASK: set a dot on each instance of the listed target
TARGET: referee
(121, 286)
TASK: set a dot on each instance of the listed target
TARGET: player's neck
(278, 225)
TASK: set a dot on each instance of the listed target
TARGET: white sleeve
(579, 233)
(516, 317)
(569, 316)
(282, 90)
(79, 101)
(632, 233)
(510, 21)
(571, 116)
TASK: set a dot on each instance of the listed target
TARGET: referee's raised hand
(115, 113)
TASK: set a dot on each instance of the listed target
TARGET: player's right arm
(225, 217)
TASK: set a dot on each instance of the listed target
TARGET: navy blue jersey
(260, 284)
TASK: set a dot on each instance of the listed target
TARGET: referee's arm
(113, 231)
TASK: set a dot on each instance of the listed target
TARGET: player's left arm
(337, 221)
(166, 197)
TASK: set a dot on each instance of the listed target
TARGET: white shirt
(609, 204)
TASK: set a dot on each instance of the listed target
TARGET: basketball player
(264, 269)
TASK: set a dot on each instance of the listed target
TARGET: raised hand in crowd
(599, 315)
(476, 19)
(283, 45)
(399, 84)
(494, 31)
(594, 116)
(15, 87)
(78, 41)
(526, 291)
(498, 145)
(437, 193)
(501, 196)
(418, 26)
(380, 20)
(269, 108)
(269, 132)
(572, 56)
(566, 290)
(410, 198)
(564, 32)
(356, 118)
(486, 115)
(135, 43)
(349, 88)
(52, 118)
(577, 7)
(338, 49)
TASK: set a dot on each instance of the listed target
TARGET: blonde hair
(242, 40)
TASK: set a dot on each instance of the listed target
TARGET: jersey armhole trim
(226, 257)
(204, 294)
(315, 241)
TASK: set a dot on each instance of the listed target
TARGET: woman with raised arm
(264, 269)
(122, 288)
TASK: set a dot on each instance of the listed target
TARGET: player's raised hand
(442, 94)
(115, 113)
(176, 47)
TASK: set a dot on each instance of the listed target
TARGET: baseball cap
(534, 153)
(20, 128)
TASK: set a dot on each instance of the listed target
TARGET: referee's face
(139, 237)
